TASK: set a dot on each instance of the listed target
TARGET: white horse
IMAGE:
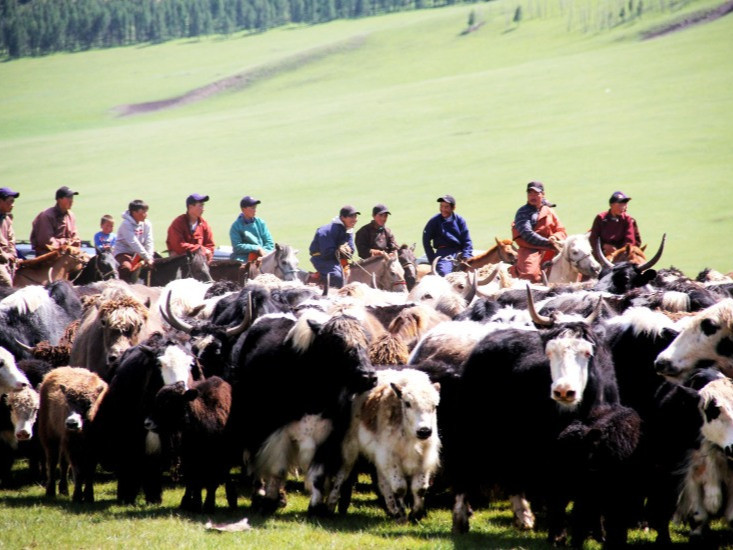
(281, 262)
(575, 259)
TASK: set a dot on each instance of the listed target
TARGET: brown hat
(447, 198)
(64, 193)
(347, 211)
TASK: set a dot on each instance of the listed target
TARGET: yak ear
(436, 385)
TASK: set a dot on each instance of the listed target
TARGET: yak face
(78, 406)
(569, 362)
(23, 407)
(175, 365)
(122, 319)
(419, 399)
(11, 378)
(716, 407)
(706, 341)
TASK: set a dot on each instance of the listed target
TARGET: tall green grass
(417, 111)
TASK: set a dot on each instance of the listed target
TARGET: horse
(188, 265)
(281, 262)
(55, 265)
(101, 267)
(575, 259)
(383, 269)
(503, 251)
(628, 253)
(406, 256)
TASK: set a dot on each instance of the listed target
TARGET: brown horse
(503, 251)
(628, 253)
(384, 270)
(60, 263)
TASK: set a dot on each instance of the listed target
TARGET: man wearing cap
(249, 234)
(330, 238)
(615, 227)
(56, 226)
(448, 233)
(8, 255)
(134, 239)
(190, 232)
(375, 237)
(538, 232)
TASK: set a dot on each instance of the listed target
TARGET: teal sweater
(249, 237)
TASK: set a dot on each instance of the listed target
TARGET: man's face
(535, 198)
(349, 221)
(446, 209)
(249, 211)
(65, 203)
(139, 215)
(6, 205)
(196, 209)
(618, 208)
(380, 219)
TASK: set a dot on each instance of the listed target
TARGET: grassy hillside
(397, 109)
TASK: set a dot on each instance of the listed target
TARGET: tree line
(39, 27)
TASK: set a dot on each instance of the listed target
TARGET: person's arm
(595, 231)
(208, 242)
(328, 243)
(177, 238)
(523, 224)
(242, 241)
(630, 232)
(98, 240)
(149, 243)
(73, 238)
(427, 236)
(467, 245)
(362, 242)
(41, 233)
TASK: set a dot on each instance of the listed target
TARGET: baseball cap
(447, 198)
(6, 192)
(196, 197)
(248, 201)
(347, 211)
(536, 186)
(619, 196)
(64, 192)
(380, 209)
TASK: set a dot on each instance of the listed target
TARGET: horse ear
(413, 247)
(498, 242)
(97, 250)
(643, 248)
(277, 247)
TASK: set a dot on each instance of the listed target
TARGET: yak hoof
(415, 517)
(320, 510)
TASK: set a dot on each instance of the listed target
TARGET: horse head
(197, 266)
(286, 262)
(406, 255)
(508, 253)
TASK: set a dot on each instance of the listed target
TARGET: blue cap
(247, 200)
(6, 192)
(196, 197)
(619, 196)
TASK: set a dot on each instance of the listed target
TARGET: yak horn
(26, 347)
(434, 266)
(172, 319)
(599, 254)
(538, 319)
(656, 257)
(472, 291)
(374, 281)
(595, 313)
(231, 332)
(490, 277)
(545, 281)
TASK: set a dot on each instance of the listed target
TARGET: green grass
(28, 520)
(415, 112)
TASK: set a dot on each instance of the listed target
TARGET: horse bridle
(100, 274)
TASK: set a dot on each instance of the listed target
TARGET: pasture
(397, 109)
(29, 521)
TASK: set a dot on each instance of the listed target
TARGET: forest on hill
(40, 27)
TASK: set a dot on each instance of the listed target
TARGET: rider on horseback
(375, 237)
(249, 234)
(333, 241)
(8, 255)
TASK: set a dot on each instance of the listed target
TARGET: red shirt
(616, 231)
(181, 239)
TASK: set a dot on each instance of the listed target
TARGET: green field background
(397, 109)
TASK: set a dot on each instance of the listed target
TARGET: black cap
(64, 192)
(347, 211)
(380, 209)
(193, 198)
(447, 198)
(248, 201)
(536, 186)
(619, 196)
(6, 192)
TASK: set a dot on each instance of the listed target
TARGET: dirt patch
(241, 80)
(697, 18)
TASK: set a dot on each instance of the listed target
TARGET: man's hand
(345, 250)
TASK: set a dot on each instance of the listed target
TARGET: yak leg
(419, 485)
(52, 461)
(461, 513)
(393, 487)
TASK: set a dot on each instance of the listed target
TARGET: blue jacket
(326, 241)
(249, 237)
(450, 233)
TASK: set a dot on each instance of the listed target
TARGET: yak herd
(613, 394)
